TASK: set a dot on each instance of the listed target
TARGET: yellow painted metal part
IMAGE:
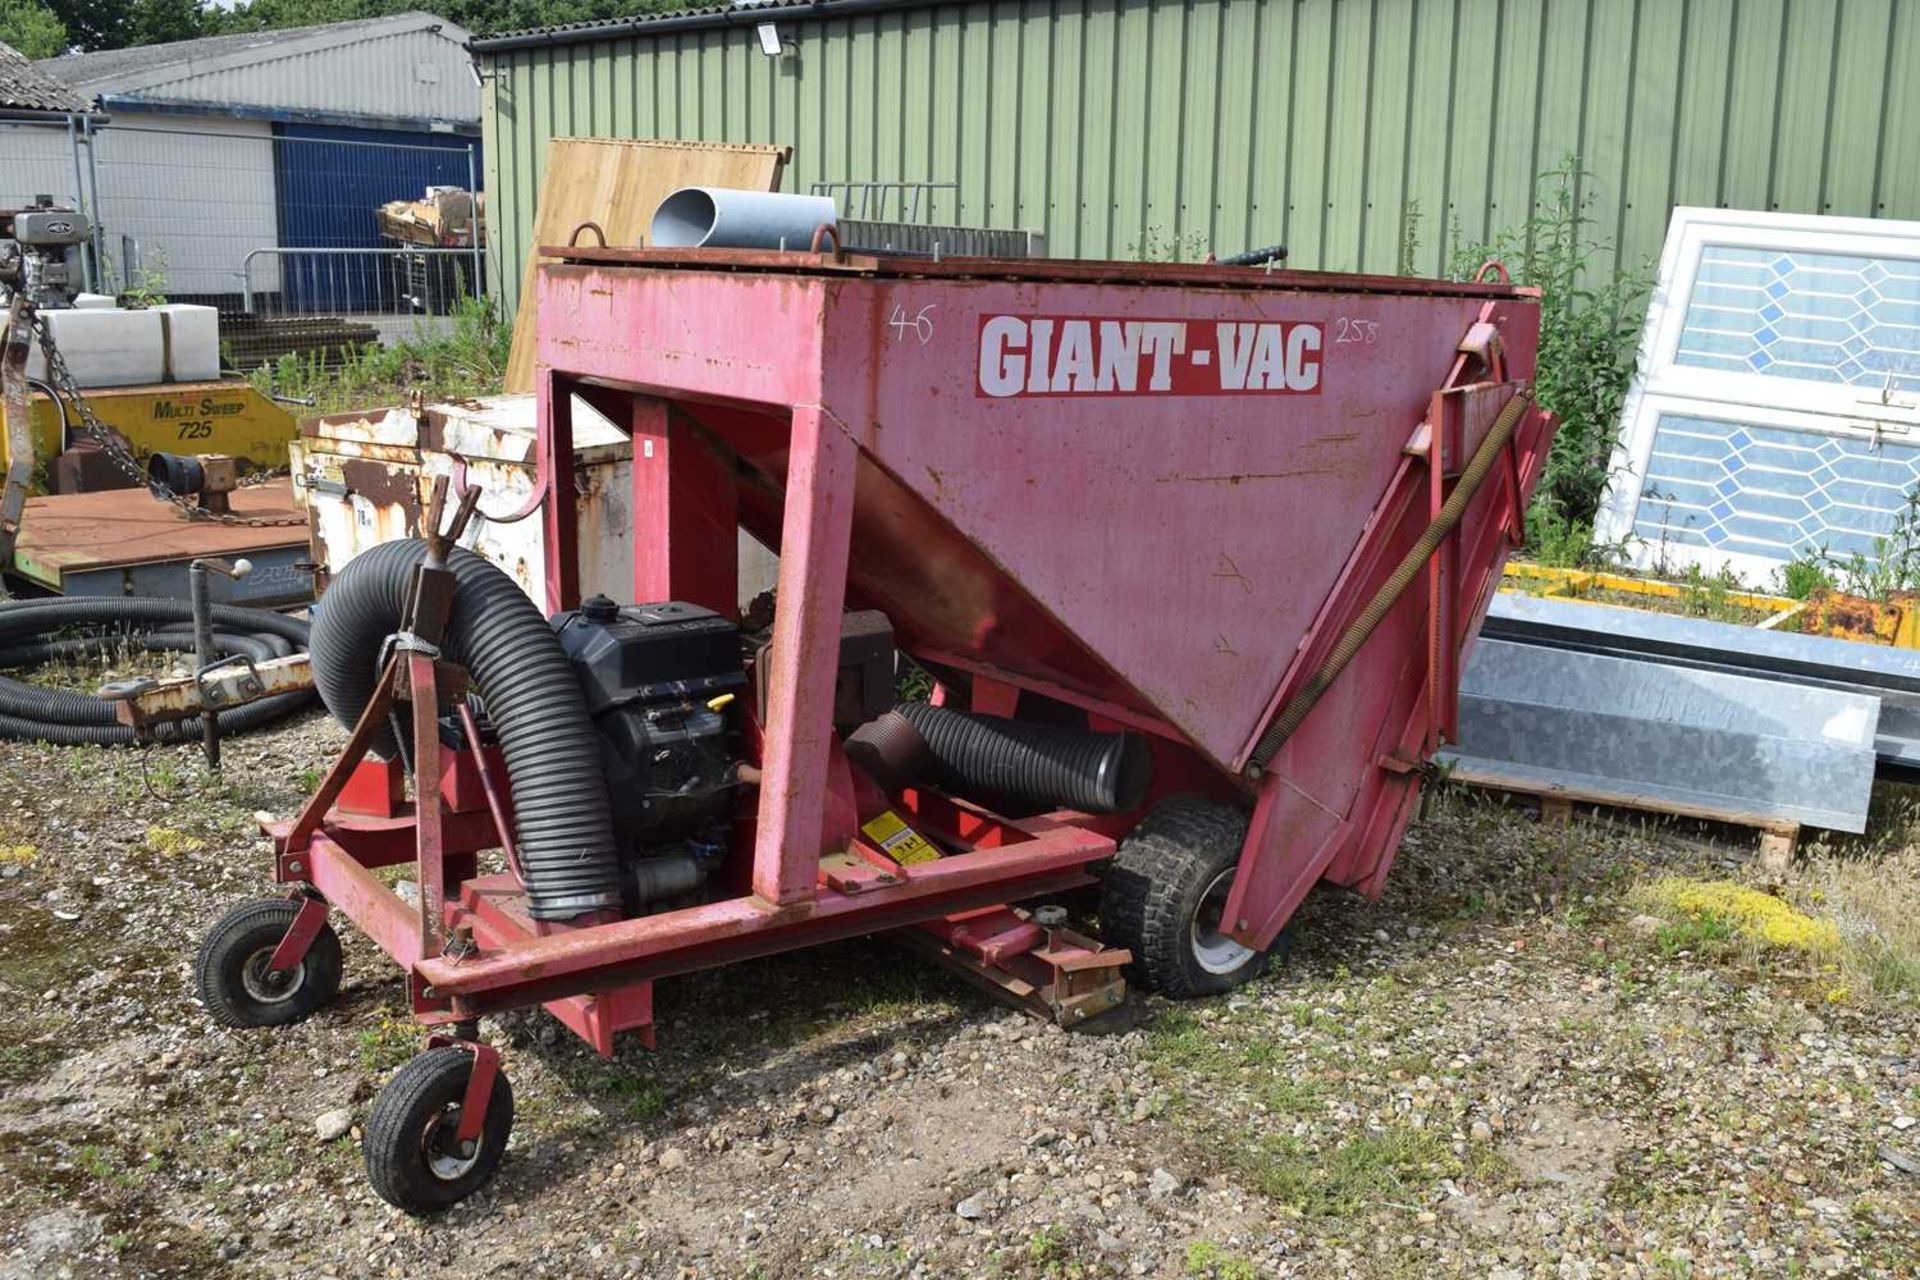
(1578, 580)
(1895, 621)
(183, 417)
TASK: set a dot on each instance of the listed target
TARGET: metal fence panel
(253, 217)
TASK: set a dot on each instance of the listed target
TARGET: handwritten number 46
(919, 324)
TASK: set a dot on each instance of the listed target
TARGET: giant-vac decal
(1096, 356)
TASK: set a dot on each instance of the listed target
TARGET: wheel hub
(1212, 948)
(267, 986)
(447, 1158)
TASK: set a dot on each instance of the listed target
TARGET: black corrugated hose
(562, 816)
(31, 633)
(989, 758)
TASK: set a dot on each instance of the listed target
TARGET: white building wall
(408, 75)
(35, 160)
(187, 197)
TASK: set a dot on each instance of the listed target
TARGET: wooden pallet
(1779, 837)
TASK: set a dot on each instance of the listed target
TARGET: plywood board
(617, 183)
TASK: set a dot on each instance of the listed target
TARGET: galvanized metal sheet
(1821, 662)
(1698, 742)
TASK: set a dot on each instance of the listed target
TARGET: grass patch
(1208, 1261)
(390, 1041)
(1866, 938)
(1393, 1167)
(1872, 903)
(1703, 932)
(1178, 1038)
(466, 358)
(170, 843)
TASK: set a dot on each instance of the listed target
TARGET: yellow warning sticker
(899, 841)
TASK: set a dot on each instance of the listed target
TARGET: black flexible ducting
(991, 757)
(29, 635)
(562, 816)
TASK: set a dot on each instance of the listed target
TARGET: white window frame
(1644, 425)
(1794, 404)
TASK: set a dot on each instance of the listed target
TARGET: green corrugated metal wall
(1125, 127)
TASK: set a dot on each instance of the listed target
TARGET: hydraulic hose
(30, 633)
(563, 818)
(1348, 646)
(995, 758)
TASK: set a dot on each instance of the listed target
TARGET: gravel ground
(1504, 1068)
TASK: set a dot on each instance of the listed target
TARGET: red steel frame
(469, 947)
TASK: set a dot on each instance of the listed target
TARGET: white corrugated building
(38, 116)
(218, 147)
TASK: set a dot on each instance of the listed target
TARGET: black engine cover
(649, 672)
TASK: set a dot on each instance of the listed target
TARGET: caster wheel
(231, 974)
(414, 1160)
(1163, 895)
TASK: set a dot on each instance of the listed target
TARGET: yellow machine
(106, 533)
(229, 416)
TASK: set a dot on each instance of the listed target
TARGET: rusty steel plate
(84, 532)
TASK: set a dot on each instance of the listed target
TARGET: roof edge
(660, 24)
(308, 39)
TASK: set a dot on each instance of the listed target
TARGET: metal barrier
(870, 201)
(407, 280)
(179, 205)
(943, 242)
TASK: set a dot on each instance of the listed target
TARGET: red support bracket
(307, 923)
(473, 1103)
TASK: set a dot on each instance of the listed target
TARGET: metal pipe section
(475, 288)
(204, 654)
(98, 267)
(720, 218)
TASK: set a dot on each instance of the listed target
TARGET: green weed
(1588, 335)
(1208, 1261)
(1800, 578)
(1894, 565)
(1393, 1166)
(467, 358)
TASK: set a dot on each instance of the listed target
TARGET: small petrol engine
(657, 679)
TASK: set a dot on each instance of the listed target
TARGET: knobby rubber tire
(431, 1087)
(219, 970)
(1155, 885)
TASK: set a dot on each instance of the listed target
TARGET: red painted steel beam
(554, 449)
(813, 931)
(816, 528)
(363, 898)
(686, 513)
(927, 889)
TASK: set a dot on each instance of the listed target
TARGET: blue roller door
(328, 181)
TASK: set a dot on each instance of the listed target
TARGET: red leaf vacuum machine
(1150, 577)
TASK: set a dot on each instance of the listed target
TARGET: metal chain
(115, 446)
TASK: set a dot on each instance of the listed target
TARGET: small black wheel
(414, 1160)
(1164, 892)
(231, 974)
